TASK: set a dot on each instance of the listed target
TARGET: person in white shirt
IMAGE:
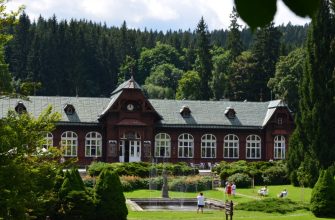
(233, 189)
(201, 202)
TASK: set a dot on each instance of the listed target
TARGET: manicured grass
(219, 215)
(213, 194)
(294, 193)
(247, 195)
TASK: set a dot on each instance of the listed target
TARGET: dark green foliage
(265, 52)
(76, 52)
(285, 83)
(323, 195)
(111, 203)
(77, 205)
(142, 169)
(151, 58)
(313, 140)
(302, 8)
(72, 182)
(271, 205)
(260, 171)
(276, 175)
(203, 63)
(234, 42)
(258, 13)
(241, 180)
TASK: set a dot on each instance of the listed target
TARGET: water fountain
(167, 203)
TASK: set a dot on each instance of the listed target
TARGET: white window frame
(208, 146)
(231, 146)
(185, 146)
(253, 147)
(48, 140)
(280, 121)
(69, 141)
(163, 145)
(279, 147)
(93, 142)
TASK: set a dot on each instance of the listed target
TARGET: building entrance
(130, 148)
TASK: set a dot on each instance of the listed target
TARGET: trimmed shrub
(111, 203)
(142, 169)
(271, 205)
(77, 205)
(130, 183)
(275, 175)
(241, 180)
(323, 195)
(190, 184)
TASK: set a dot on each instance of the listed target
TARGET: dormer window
(280, 121)
(230, 113)
(69, 109)
(20, 108)
(185, 111)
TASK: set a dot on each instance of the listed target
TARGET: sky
(151, 14)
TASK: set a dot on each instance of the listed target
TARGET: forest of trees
(69, 58)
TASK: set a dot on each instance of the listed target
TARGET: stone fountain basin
(176, 204)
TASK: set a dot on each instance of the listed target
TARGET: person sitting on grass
(263, 191)
(283, 194)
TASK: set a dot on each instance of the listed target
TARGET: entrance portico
(130, 147)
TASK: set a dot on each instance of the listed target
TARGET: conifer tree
(204, 59)
(234, 42)
(266, 53)
(314, 136)
(111, 203)
(323, 195)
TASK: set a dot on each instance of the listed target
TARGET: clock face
(130, 107)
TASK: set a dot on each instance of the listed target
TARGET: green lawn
(294, 193)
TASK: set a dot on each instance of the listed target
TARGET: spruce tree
(234, 42)
(317, 106)
(111, 203)
(323, 195)
(315, 122)
(265, 53)
(204, 59)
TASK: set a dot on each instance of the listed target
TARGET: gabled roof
(129, 84)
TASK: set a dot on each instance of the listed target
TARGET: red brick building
(128, 127)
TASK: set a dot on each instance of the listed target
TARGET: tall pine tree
(266, 53)
(314, 135)
(234, 42)
(204, 59)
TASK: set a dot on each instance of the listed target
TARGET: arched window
(231, 146)
(162, 145)
(93, 144)
(185, 146)
(253, 147)
(48, 140)
(208, 146)
(279, 147)
(69, 141)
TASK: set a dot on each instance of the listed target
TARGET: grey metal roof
(87, 109)
(211, 114)
(208, 114)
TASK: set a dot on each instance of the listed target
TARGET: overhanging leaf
(303, 8)
(256, 13)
